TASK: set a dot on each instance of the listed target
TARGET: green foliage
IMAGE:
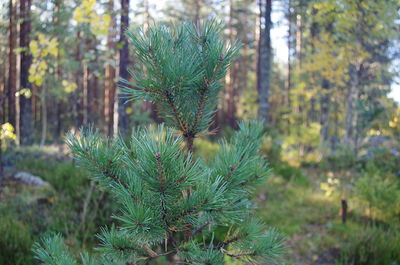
(63, 176)
(70, 206)
(55, 253)
(382, 159)
(379, 196)
(153, 167)
(302, 145)
(371, 246)
(289, 172)
(16, 242)
(183, 68)
(342, 158)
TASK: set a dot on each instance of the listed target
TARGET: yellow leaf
(33, 47)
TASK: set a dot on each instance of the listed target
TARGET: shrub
(15, 243)
(371, 246)
(379, 196)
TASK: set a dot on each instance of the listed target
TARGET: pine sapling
(174, 207)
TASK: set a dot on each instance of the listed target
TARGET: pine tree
(173, 205)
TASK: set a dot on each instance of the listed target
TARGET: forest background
(322, 74)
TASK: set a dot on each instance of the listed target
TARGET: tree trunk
(230, 79)
(85, 86)
(289, 58)
(299, 38)
(123, 65)
(26, 124)
(77, 107)
(109, 86)
(44, 115)
(12, 63)
(59, 116)
(324, 121)
(3, 96)
(351, 112)
(313, 101)
(264, 64)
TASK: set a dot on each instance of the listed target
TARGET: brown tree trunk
(59, 116)
(264, 64)
(77, 107)
(109, 86)
(123, 65)
(12, 63)
(231, 79)
(3, 98)
(26, 124)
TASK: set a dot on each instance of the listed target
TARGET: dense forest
(332, 128)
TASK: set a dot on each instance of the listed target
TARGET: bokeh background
(322, 74)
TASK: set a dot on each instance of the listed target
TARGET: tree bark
(85, 86)
(123, 65)
(230, 79)
(44, 115)
(299, 38)
(59, 116)
(264, 74)
(26, 124)
(351, 112)
(77, 105)
(12, 63)
(109, 86)
(325, 102)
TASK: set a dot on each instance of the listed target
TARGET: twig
(199, 229)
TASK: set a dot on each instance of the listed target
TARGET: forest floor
(297, 207)
(308, 218)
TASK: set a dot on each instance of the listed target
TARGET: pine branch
(234, 239)
(175, 111)
(168, 95)
(199, 229)
(203, 93)
(239, 255)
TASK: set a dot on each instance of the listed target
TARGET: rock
(29, 179)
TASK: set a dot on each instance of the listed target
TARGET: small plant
(379, 196)
(16, 242)
(371, 246)
(173, 206)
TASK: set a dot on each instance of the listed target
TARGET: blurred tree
(26, 121)
(265, 59)
(12, 62)
(110, 73)
(123, 65)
